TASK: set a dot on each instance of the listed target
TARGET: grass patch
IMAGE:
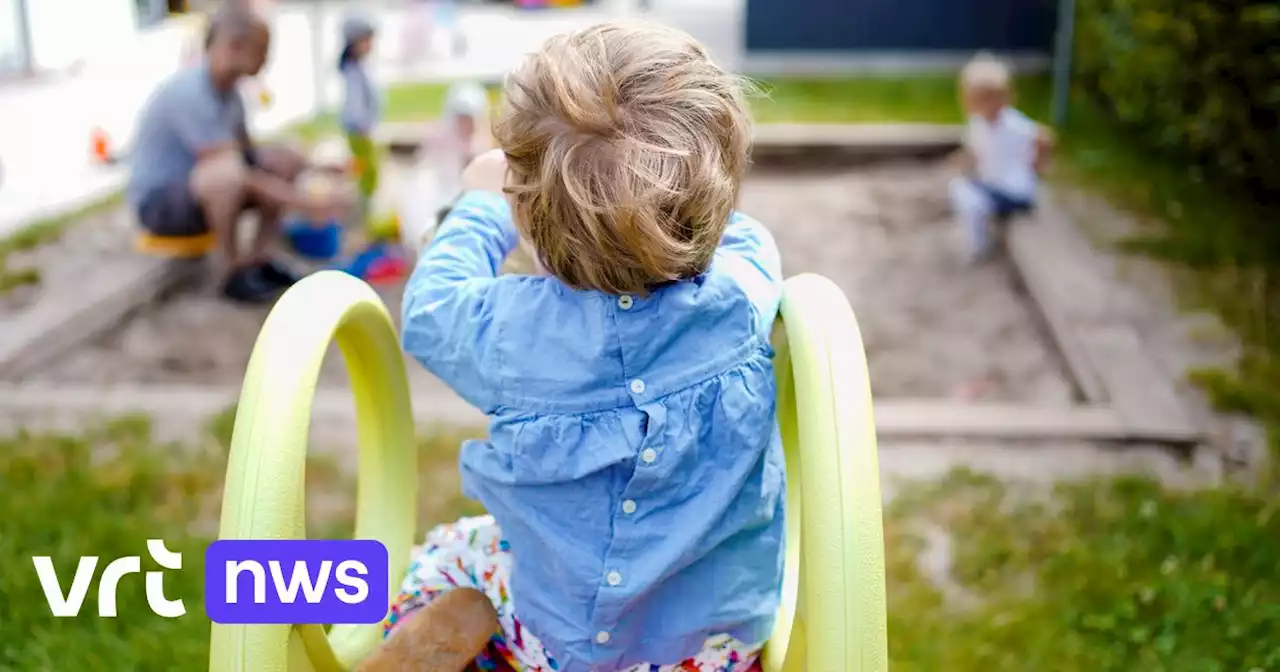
(41, 232)
(1109, 575)
(109, 490)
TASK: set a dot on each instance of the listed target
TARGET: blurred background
(1077, 439)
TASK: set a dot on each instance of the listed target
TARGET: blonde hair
(626, 148)
(985, 73)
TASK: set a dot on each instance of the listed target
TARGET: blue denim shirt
(633, 461)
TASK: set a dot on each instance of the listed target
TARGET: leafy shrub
(1198, 79)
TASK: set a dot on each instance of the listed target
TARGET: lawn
(1107, 575)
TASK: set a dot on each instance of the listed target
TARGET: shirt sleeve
(1023, 126)
(449, 312)
(756, 264)
(200, 125)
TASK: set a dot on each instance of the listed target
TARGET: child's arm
(1045, 141)
(755, 263)
(449, 301)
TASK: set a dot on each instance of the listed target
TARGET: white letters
(67, 605)
(259, 580)
(301, 577)
(110, 579)
(361, 587)
(160, 605)
(64, 607)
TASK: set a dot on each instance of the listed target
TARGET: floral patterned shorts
(471, 553)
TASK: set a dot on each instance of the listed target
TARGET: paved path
(44, 137)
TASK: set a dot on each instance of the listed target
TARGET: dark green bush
(1196, 79)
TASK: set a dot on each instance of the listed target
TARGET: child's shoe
(246, 285)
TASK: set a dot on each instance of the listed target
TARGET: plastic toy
(833, 613)
(100, 147)
(321, 242)
(378, 263)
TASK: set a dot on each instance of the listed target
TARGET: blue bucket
(315, 242)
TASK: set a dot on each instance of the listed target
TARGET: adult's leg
(287, 164)
(973, 208)
(218, 184)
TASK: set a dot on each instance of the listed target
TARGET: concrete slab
(333, 413)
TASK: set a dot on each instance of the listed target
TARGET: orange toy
(100, 147)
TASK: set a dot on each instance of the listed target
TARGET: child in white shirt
(1004, 155)
(461, 135)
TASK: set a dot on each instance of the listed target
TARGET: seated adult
(194, 169)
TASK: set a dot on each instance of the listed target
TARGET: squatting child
(633, 471)
(1004, 154)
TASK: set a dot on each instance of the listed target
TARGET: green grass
(41, 232)
(109, 490)
(1107, 575)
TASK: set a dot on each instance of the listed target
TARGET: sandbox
(934, 327)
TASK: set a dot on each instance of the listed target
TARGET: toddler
(435, 180)
(1005, 152)
(633, 471)
(360, 105)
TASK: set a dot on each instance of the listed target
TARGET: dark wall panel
(900, 25)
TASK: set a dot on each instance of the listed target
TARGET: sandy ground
(932, 326)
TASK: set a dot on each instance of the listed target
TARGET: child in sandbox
(1004, 155)
(634, 470)
(436, 179)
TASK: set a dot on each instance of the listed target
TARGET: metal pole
(27, 51)
(1062, 60)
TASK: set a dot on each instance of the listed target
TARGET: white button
(613, 578)
(637, 386)
(649, 455)
(629, 506)
(602, 637)
(625, 302)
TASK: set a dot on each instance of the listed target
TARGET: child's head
(626, 147)
(466, 107)
(357, 40)
(985, 86)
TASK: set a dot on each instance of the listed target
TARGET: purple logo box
(296, 581)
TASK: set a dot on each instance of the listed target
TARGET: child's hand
(487, 172)
(1044, 149)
